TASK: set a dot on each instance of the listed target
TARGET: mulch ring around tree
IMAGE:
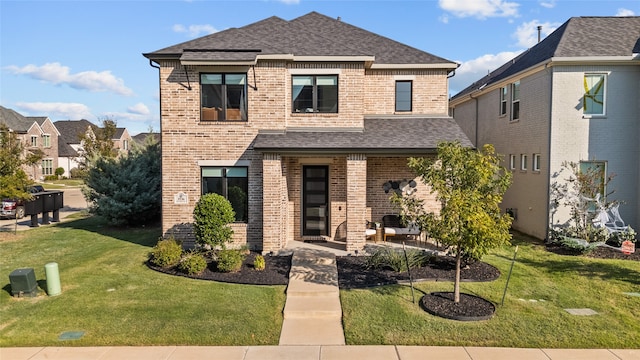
(276, 271)
(470, 307)
(353, 273)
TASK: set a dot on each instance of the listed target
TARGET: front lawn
(109, 293)
(542, 285)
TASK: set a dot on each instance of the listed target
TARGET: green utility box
(23, 282)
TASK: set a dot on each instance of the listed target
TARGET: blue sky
(83, 59)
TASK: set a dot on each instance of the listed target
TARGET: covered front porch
(327, 185)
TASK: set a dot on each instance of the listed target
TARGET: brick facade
(355, 180)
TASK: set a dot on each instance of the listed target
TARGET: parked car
(14, 208)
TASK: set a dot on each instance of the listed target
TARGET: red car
(13, 208)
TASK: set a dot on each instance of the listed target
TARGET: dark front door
(315, 200)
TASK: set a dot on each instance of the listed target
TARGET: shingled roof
(15, 121)
(380, 135)
(580, 37)
(311, 35)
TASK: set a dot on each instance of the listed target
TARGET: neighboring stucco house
(69, 144)
(37, 134)
(572, 97)
(299, 124)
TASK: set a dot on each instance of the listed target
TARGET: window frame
(34, 141)
(512, 161)
(314, 94)
(221, 115)
(410, 109)
(504, 93)
(587, 94)
(515, 101)
(225, 186)
(44, 169)
(46, 140)
(523, 162)
(536, 162)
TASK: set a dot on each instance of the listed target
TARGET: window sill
(594, 116)
(226, 122)
(316, 114)
(514, 121)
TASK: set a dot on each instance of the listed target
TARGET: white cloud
(194, 30)
(57, 110)
(473, 70)
(527, 33)
(290, 2)
(480, 9)
(549, 4)
(139, 108)
(57, 74)
(625, 12)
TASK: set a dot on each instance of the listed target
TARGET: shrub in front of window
(59, 172)
(192, 263)
(212, 216)
(166, 253)
(230, 260)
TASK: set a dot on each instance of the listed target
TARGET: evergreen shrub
(212, 216)
(166, 253)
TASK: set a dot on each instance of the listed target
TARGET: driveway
(73, 202)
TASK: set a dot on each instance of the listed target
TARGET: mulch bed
(600, 252)
(470, 307)
(352, 272)
(276, 272)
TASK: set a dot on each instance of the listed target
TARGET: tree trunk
(456, 286)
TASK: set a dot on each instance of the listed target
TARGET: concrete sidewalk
(327, 352)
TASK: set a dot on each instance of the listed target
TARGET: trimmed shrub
(166, 253)
(229, 260)
(259, 263)
(59, 171)
(192, 263)
(212, 216)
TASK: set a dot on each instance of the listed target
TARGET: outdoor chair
(393, 227)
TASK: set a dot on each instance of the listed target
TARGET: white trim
(416, 66)
(315, 71)
(404, 77)
(224, 162)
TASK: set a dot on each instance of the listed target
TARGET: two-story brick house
(572, 97)
(299, 124)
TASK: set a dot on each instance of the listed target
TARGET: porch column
(356, 201)
(273, 228)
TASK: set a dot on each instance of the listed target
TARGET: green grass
(62, 183)
(386, 315)
(110, 294)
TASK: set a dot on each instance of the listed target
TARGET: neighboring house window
(523, 161)
(223, 97)
(593, 102)
(47, 167)
(515, 101)
(503, 101)
(46, 140)
(34, 141)
(125, 144)
(314, 93)
(403, 95)
(536, 162)
(230, 182)
(512, 161)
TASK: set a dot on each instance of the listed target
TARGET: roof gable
(578, 37)
(71, 130)
(15, 121)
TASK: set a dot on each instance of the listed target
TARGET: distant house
(69, 144)
(303, 125)
(142, 137)
(572, 97)
(37, 134)
(122, 141)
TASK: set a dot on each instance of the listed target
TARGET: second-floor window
(503, 101)
(223, 97)
(314, 93)
(34, 141)
(515, 101)
(594, 94)
(536, 162)
(403, 95)
(512, 162)
(46, 140)
(523, 162)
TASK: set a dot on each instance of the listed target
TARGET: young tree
(470, 185)
(98, 143)
(127, 190)
(13, 180)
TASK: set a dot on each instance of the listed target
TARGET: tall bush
(212, 216)
(126, 190)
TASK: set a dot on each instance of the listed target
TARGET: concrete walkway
(312, 313)
(335, 352)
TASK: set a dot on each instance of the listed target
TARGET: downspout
(477, 120)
